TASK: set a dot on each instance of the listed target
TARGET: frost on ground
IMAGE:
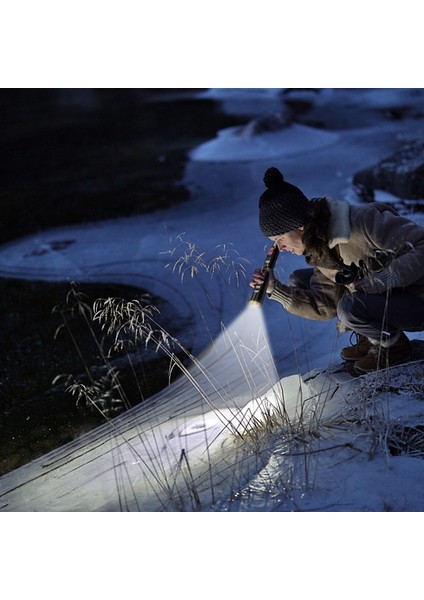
(368, 457)
(324, 442)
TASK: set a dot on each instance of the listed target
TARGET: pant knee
(346, 312)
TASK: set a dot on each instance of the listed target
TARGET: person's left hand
(376, 283)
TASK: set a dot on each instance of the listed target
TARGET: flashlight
(260, 288)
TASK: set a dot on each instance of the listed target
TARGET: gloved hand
(377, 283)
(259, 277)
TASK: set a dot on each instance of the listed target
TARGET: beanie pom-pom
(273, 178)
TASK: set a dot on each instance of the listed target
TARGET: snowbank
(232, 145)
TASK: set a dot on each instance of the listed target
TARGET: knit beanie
(282, 207)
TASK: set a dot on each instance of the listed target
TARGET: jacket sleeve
(402, 237)
(318, 303)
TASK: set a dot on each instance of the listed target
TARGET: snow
(232, 145)
(248, 360)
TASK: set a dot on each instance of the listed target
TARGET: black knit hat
(282, 207)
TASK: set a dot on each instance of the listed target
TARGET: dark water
(71, 156)
(77, 155)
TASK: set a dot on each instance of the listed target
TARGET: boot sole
(393, 364)
(352, 359)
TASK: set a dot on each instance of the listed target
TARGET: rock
(401, 174)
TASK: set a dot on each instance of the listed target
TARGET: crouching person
(365, 266)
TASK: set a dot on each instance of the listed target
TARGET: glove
(378, 283)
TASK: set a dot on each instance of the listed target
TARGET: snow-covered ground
(201, 255)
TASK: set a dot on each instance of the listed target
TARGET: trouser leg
(376, 315)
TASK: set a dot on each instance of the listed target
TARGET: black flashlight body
(259, 290)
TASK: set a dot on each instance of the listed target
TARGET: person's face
(292, 241)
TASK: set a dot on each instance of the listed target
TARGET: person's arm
(404, 239)
(317, 303)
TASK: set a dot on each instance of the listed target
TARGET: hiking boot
(357, 351)
(382, 357)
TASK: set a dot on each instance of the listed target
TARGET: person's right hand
(259, 276)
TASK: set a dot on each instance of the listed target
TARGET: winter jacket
(356, 233)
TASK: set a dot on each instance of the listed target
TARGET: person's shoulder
(373, 209)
